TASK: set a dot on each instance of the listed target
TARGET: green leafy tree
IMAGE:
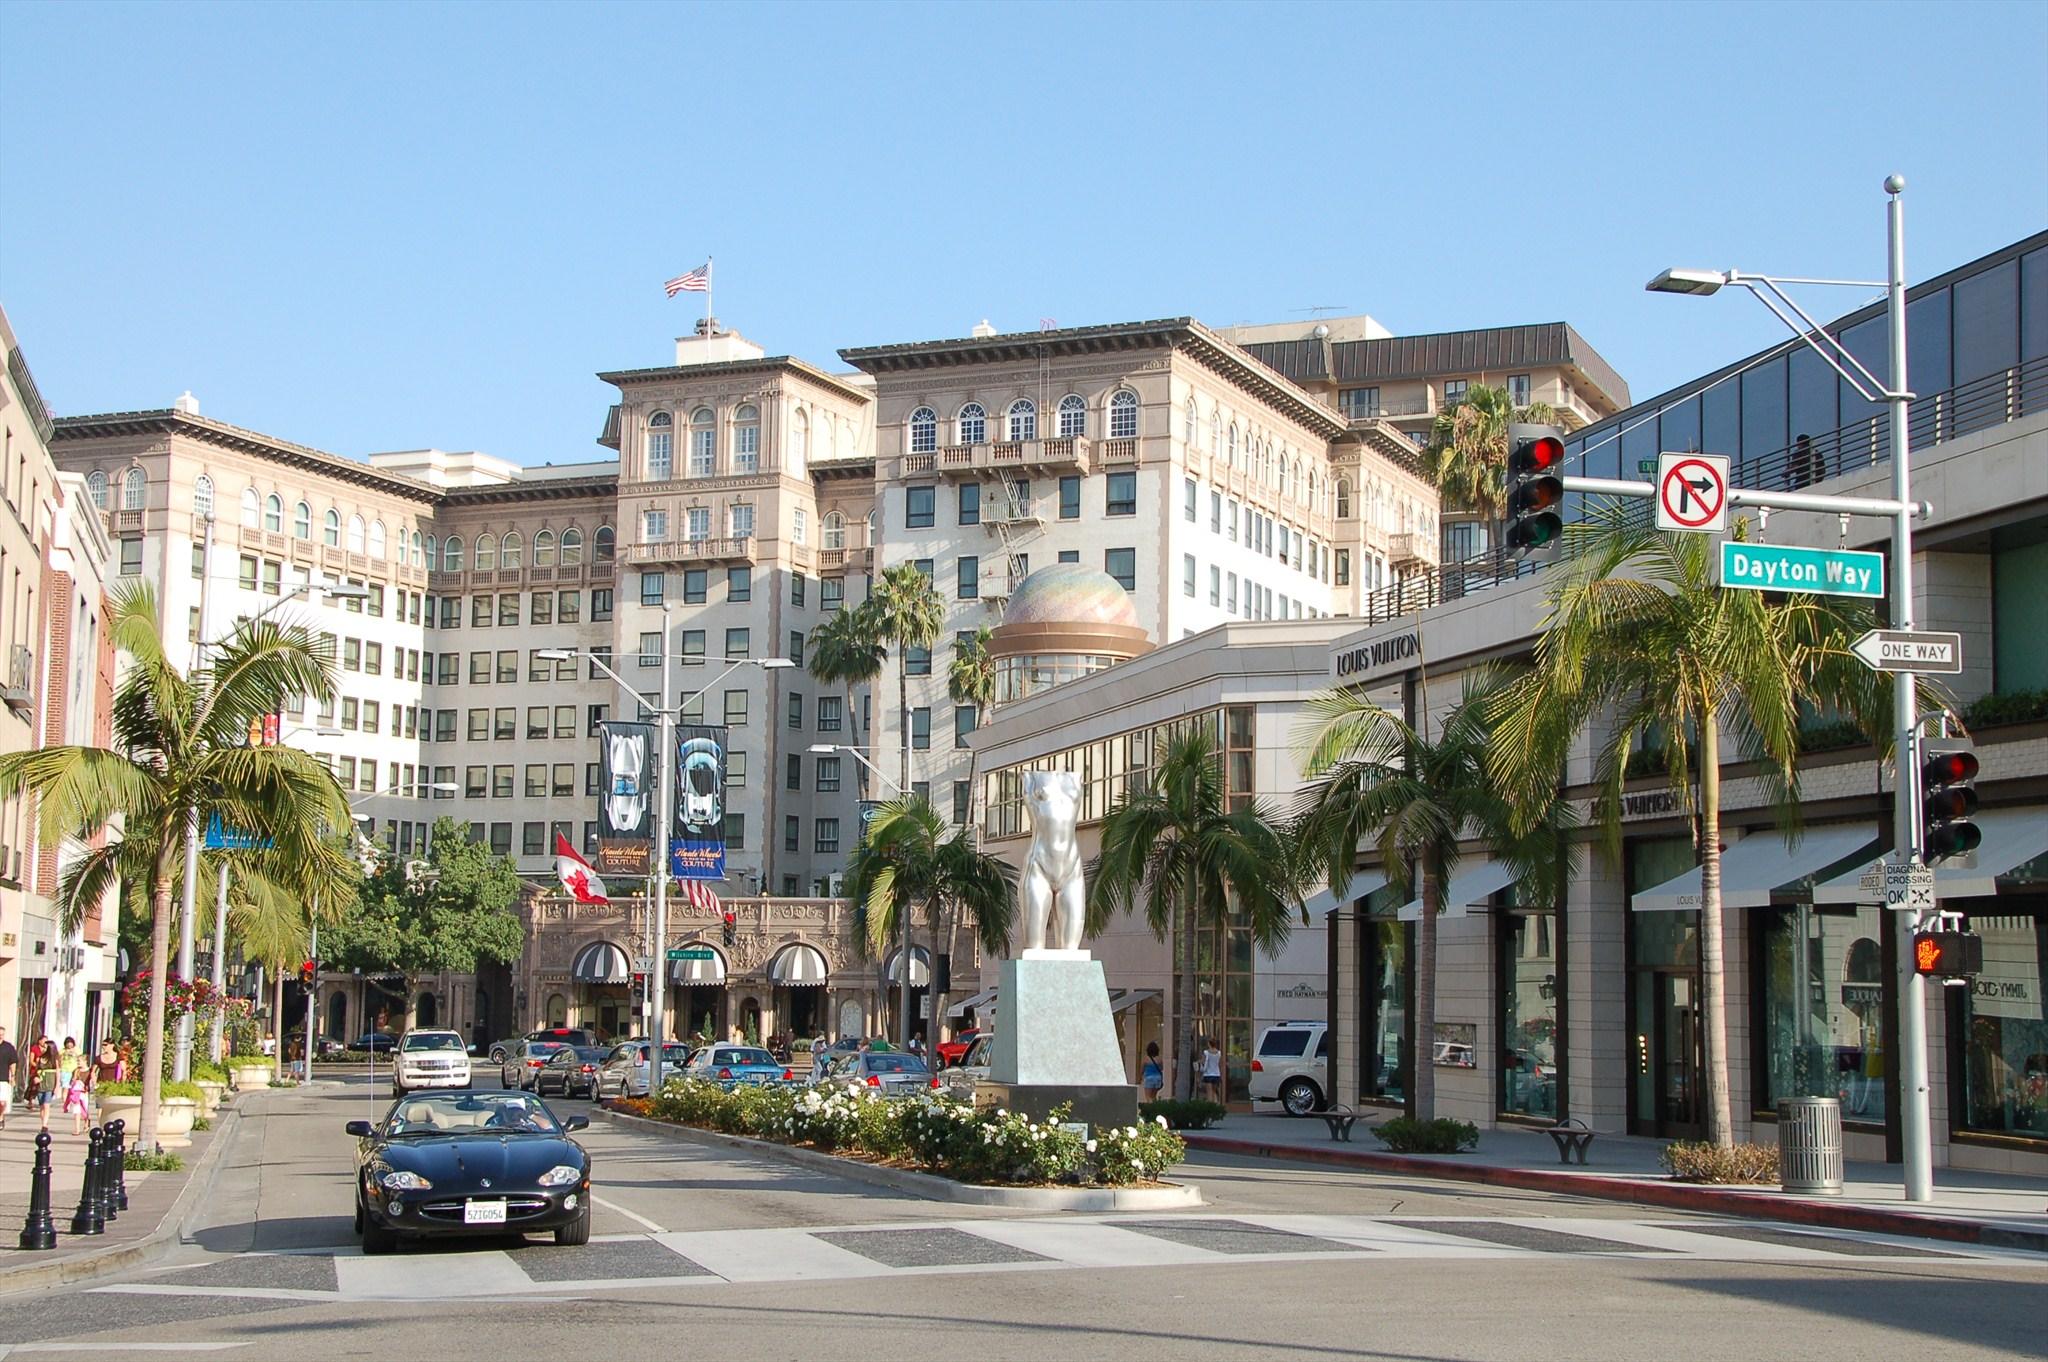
(971, 680)
(273, 923)
(1376, 780)
(1174, 849)
(1467, 453)
(848, 650)
(1639, 640)
(178, 748)
(444, 914)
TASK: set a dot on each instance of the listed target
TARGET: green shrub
(2017, 707)
(140, 1161)
(1441, 1136)
(202, 1123)
(205, 1072)
(132, 1087)
(1194, 1114)
(1699, 1161)
(1831, 735)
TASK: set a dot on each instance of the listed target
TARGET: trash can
(1810, 1144)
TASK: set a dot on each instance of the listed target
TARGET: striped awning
(797, 966)
(692, 972)
(1130, 997)
(967, 1005)
(601, 963)
(920, 967)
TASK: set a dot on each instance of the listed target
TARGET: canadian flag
(576, 875)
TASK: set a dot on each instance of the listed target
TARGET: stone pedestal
(1055, 1042)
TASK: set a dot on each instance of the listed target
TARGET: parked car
(733, 1064)
(561, 1035)
(570, 1071)
(960, 1079)
(626, 1070)
(952, 1052)
(430, 1059)
(893, 1072)
(845, 1045)
(1290, 1066)
(376, 1042)
(468, 1163)
(525, 1060)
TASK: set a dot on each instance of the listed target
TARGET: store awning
(920, 967)
(601, 963)
(1472, 884)
(1753, 868)
(2012, 837)
(967, 1005)
(797, 966)
(1130, 997)
(1362, 883)
(690, 973)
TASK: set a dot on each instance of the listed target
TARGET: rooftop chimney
(188, 404)
(981, 329)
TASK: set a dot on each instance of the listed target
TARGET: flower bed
(933, 1133)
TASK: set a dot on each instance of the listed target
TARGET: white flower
(1091, 1146)
(1162, 1121)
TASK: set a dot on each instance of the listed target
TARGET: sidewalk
(157, 1202)
(1987, 1208)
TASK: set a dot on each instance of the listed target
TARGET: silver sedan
(625, 1072)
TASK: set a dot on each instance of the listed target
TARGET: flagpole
(707, 296)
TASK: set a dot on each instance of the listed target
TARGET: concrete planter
(127, 1109)
(174, 1118)
(211, 1094)
(247, 1074)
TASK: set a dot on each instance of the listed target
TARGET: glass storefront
(1530, 989)
(1384, 1059)
(1999, 1030)
(1664, 1059)
(1820, 1008)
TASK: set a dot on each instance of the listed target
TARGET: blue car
(728, 1065)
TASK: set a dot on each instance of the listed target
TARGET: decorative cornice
(540, 489)
(167, 421)
(734, 368)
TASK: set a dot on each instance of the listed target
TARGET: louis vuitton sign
(1354, 663)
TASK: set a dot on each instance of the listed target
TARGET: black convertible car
(473, 1163)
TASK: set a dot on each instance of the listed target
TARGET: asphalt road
(711, 1253)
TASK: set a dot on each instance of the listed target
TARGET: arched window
(1191, 425)
(302, 521)
(572, 547)
(252, 508)
(419, 558)
(1073, 416)
(1123, 415)
(433, 553)
(973, 423)
(544, 548)
(828, 436)
(746, 439)
(451, 553)
(871, 528)
(511, 549)
(202, 497)
(330, 528)
(355, 534)
(833, 528)
(1023, 420)
(924, 431)
(273, 513)
(661, 449)
(1215, 431)
(96, 488)
(134, 489)
(800, 439)
(703, 443)
(1230, 446)
(486, 552)
(376, 539)
(1343, 499)
(606, 541)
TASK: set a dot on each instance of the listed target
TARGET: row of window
(1260, 532)
(503, 608)
(1270, 463)
(1258, 602)
(739, 524)
(1013, 500)
(1020, 421)
(490, 552)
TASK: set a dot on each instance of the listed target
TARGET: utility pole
(664, 812)
(181, 1057)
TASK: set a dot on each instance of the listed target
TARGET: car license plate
(483, 1213)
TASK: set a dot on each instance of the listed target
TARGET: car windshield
(743, 1056)
(671, 1055)
(894, 1064)
(483, 1113)
(589, 1054)
(433, 1040)
(544, 1047)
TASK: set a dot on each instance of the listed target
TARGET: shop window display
(1823, 1009)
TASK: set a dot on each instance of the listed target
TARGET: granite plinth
(1097, 1104)
(1053, 1025)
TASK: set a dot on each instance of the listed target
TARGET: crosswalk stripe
(1083, 1243)
(780, 1255)
(491, 1273)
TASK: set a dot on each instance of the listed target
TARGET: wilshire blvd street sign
(691, 953)
(1784, 567)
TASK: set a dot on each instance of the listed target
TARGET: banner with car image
(625, 803)
(697, 842)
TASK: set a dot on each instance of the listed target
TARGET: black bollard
(118, 1188)
(103, 1180)
(40, 1232)
(86, 1219)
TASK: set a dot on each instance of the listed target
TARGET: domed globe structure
(1063, 622)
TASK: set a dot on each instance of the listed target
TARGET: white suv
(1291, 1066)
(429, 1059)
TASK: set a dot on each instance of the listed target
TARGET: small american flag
(1048, 323)
(701, 896)
(696, 281)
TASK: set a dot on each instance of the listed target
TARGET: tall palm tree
(272, 923)
(178, 749)
(1375, 778)
(971, 680)
(848, 650)
(912, 858)
(1173, 847)
(1639, 636)
(1467, 453)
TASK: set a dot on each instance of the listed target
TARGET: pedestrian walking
(1212, 1070)
(77, 1085)
(42, 1078)
(10, 1060)
(1153, 1076)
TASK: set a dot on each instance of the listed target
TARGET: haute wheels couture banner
(697, 842)
(625, 804)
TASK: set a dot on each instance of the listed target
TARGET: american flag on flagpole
(696, 281)
(701, 896)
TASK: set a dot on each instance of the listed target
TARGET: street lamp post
(904, 959)
(1914, 1120)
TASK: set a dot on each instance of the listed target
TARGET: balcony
(1411, 549)
(842, 560)
(1118, 451)
(1066, 452)
(740, 550)
(20, 689)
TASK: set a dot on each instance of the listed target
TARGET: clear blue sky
(380, 227)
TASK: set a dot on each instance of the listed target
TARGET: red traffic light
(1950, 768)
(730, 919)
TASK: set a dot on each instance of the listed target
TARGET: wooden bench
(1574, 1137)
(1340, 1120)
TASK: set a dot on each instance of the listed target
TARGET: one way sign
(1907, 650)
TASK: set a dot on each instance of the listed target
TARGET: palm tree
(178, 752)
(848, 650)
(1467, 453)
(1637, 629)
(910, 860)
(971, 680)
(273, 925)
(1173, 846)
(1375, 778)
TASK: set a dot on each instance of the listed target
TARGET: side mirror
(575, 1123)
(362, 1130)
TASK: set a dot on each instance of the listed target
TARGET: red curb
(1677, 1196)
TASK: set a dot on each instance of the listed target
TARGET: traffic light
(266, 730)
(1535, 490)
(1948, 954)
(731, 930)
(1947, 800)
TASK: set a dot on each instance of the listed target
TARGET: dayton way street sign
(1782, 567)
(1692, 492)
(1903, 650)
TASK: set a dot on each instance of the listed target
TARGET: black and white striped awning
(797, 966)
(693, 972)
(601, 963)
(920, 967)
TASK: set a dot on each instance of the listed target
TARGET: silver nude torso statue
(1052, 868)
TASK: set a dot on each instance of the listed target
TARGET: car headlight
(404, 1180)
(561, 1175)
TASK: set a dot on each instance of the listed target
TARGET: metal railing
(21, 675)
(689, 550)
